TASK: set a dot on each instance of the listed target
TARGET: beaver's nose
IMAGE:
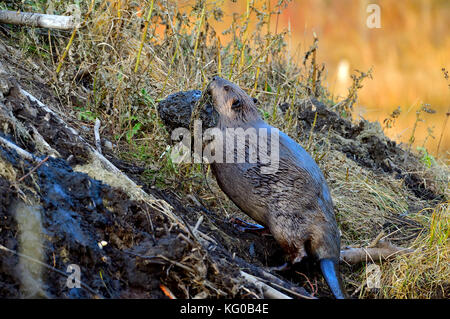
(215, 77)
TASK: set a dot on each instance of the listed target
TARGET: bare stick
(268, 291)
(382, 251)
(49, 21)
(263, 275)
(20, 151)
(98, 143)
(33, 169)
(377, 239)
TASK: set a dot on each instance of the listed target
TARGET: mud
(176, 109)
(142, 249)
(366, 144)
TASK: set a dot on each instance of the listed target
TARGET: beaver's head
(234, 106)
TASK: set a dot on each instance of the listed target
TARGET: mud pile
(365, 143)
(60, 224)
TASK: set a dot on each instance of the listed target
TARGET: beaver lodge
(87, 184)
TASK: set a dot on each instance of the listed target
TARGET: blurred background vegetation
(406, 55)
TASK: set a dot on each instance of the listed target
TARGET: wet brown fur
(294, 202)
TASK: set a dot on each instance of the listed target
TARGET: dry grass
(179, 50)
(426, 272)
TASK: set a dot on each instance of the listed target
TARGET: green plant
(426, 158)
(85, 115)
(133, 131)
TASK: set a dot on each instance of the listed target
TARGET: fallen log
(49, 21)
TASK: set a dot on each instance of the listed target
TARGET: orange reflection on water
(407, 55)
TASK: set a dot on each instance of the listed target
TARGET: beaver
(293, 201)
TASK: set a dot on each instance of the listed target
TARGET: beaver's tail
(330, 270)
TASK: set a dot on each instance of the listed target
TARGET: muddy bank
(124, 247)
(365, 143)
(63, 206)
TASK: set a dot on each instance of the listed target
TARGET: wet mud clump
(175, 110)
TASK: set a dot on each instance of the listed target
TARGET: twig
(167, 292)
(313, 287)
(152, 229)
(295, 293)
(268, 291)
(66, 50)
(375, 242)
(33, 169)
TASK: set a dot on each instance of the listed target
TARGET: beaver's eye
(226, 88)
(236, 104)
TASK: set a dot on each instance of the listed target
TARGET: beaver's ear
(255, 100)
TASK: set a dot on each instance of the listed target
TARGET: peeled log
(38, 20)
(382, 251)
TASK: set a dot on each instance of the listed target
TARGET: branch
(268, 291)
(262, 275)
(381, 251)
(49, 21)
